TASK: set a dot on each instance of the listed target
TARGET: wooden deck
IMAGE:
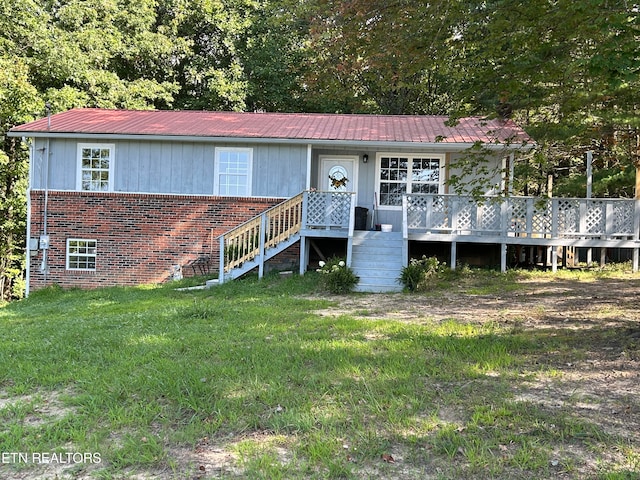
(504, 221)
(451, 219)
(524, 220)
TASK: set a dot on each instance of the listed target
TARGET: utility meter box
(44, 242)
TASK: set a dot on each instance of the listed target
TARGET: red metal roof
(297, 126)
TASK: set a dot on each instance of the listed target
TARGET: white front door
(338, 173)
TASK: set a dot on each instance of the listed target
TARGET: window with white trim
(95, 164)
(233, 170)
(401, 173)
(81, 254)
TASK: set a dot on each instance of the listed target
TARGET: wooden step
(376, 258)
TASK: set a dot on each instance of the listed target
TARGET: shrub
(415, 276)
(336, 276)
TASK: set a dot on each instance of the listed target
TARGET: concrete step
(369, 288)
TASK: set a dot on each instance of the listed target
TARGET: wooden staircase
(377, 259)
(251, 244)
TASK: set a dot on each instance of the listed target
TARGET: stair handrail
(252, 238)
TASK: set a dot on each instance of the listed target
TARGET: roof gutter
(443, 146)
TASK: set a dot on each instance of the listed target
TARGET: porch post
(405, 231)
(512, 161)
(352, 222)
(304, 255)
(309, 158)
(589, 173)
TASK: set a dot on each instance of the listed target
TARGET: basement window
(81, 254)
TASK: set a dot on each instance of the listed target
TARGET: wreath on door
(338, 180)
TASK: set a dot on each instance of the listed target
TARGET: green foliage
(417, 275)
(567, 71)
(336, 276)
(382, 57)
(18, 98)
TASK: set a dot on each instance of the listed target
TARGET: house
(130, 197)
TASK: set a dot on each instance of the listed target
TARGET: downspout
(44, 159)
(43, 266)
(28, 193)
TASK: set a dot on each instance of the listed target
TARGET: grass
(152, 379)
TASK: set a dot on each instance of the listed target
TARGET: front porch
(554, 224)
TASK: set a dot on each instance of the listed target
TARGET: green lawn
(250, 380)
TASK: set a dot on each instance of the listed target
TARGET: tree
(386, 57)
(71, 54)
(274, 55)
(567, 71)
(210, 75)
(17, 100)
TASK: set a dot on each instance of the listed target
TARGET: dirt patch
(32, 411)
(597, 374)
(537, 304)
(39, 408)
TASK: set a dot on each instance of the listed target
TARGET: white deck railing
(327, 210)
(561, 218)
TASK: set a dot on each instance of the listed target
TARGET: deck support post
(554, 259)
(503, 257)
(304, 255)
(454, 252)
(352, 224)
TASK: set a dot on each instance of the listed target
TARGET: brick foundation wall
(140, 237)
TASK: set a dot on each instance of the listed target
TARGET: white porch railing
(550, 218)
(328, 210)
